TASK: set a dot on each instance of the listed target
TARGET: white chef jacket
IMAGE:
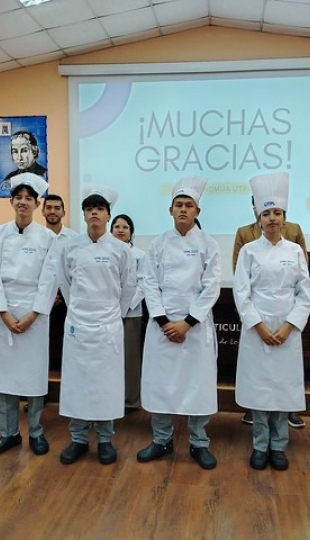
(135, 309)
(182, 277)
(62, 238)
(28, 283)
(98, 283)
(271, 285)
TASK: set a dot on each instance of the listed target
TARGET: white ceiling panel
(283, 13)
(35, 44)
(181, 10)
(286, 30)
(236, 23)
(62, 28)
(4, 57)
(17, 24)
(91, 47)
(182, 26)
(39, 58)
(112, 7)
(83, 33)
(251, 10)
(148, 34)
(61, 12)
(8, 5)
(131, 22)
(8, 66)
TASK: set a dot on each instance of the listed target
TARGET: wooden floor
(171, 499)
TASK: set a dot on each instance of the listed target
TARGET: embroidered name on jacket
(99, 259)
(287, 263)
(190, 252)
(28, 249)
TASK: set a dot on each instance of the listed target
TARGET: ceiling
(63, 28)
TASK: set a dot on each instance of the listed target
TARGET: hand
(175, 331)
(10, 322)
(266, 335)
(27, 321)
(283, 332)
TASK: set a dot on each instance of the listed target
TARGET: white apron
(28, 283)
(92, 380)
(272, 285)
(182, 277)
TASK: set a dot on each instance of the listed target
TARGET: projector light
(28, 3)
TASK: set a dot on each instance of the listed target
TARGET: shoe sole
(258, 468)
(17, 441)
(41, 452)
(107, 461)
(206, 468)
(9, 448)
(147, 460)
(65, 461)
(277, 468)
(68, 461)
(296, 426)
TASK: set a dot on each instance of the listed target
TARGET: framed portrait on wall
(23, 148)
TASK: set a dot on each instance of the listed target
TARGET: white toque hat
(192, 186)
(270, 191)
(110, 195)
(36, 182)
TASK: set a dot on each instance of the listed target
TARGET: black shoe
(278, 460)
(9, 442)
(154, 451)
(203, 457)
(106, 453)
(295, 421)
(39, 445)
(247, 418)
(73, 452)
(259, 460)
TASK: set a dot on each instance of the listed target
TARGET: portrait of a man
(23, 148)
(24, 153)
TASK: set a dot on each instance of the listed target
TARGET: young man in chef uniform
(98, 284)
(28, 287)
(182, 284)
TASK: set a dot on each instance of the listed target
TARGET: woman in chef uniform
(28, 260)
(98, 283)
(179, 369)
(272, 294)
(122, 227)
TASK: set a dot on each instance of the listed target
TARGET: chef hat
(270, 191)
(37, 183)
(192, 186)
(110, 195)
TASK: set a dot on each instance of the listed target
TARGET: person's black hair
(15, 191)
(197, 222)
(54, 197)
(128, 221)
(94, 201)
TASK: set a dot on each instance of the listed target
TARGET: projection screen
(141, 127)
